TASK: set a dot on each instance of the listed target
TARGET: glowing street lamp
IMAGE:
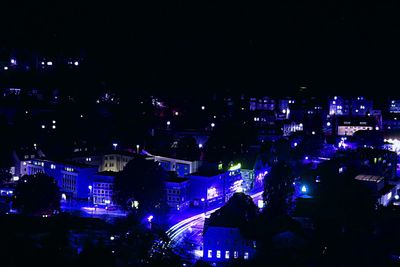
(137, 149)
(212, 125)
(150, 218)
(115, 146)
(168, 123)
(200, 145)
(304, 189)
(203, 107)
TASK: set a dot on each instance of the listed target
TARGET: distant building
(102, 192)
(264, 103)
(115, 161)
(224, 244)
(381, 191)
(177, 190)
(394, 106)
(348, 126)
(357, 106)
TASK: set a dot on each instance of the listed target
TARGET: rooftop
(369, 178)
(176, 180)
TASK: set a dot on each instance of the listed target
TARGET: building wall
(72, 180)
(177, 194)
(114, 162)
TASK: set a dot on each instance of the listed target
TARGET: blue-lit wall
(223, 244)
(82, 177)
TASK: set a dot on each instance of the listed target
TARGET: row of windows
(109, 165)
(69, 182)
(227, 254)
(174, 199)
(174, 192)
(104, 192)
(103, 185)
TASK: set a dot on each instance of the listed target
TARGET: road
(186, 238)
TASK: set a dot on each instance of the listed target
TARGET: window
(218, 254)
(235, 254)
(209, 253)
(227, 254)
(52, 166)
(246, 256)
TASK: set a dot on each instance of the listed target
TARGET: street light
(115, 146)
(137, 149)
(212, 125)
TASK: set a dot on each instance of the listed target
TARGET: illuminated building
(357, 106)
(213, 185)
(223, 244)
(264, 103)
(347, 126)
(72, 178)
(177, 192)
(394, 106)
(102, 191)
(115, 161)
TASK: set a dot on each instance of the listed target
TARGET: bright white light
(176, 113)
(90, 187)
(283, 110)
(300, 125)
(76, 63)
(168, 123)
(313, 132)
(295, 144)
(396, 197)
(136, 204)
(260, 204)
(13, 61)
(328, 124)
(335, 97)
(213, 125)
(150, 218)
(304, 189)
(377, 128)
(306, 158)
(202, 199)
(54, 122)
(42, 62)
(63, 196)
(203, 107)
(43, 126)
(53, 127)
(200, 145)
(81, 116)
(112, 238)
(5, 68)
(49, 63)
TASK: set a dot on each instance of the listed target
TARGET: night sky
(326, 45)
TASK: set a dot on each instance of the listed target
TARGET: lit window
(235, 254)
(218, 254)
(209, 253)
(52, 166)
(227, 254)
(246, 256)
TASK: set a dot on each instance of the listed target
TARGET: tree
(140, 186)
(36, 195)
(237, 212)
(278, 190)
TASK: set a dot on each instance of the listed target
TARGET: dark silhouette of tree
(237, 212)
(278, 190)
(141, 182)
(187, 148)
(36, 195)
